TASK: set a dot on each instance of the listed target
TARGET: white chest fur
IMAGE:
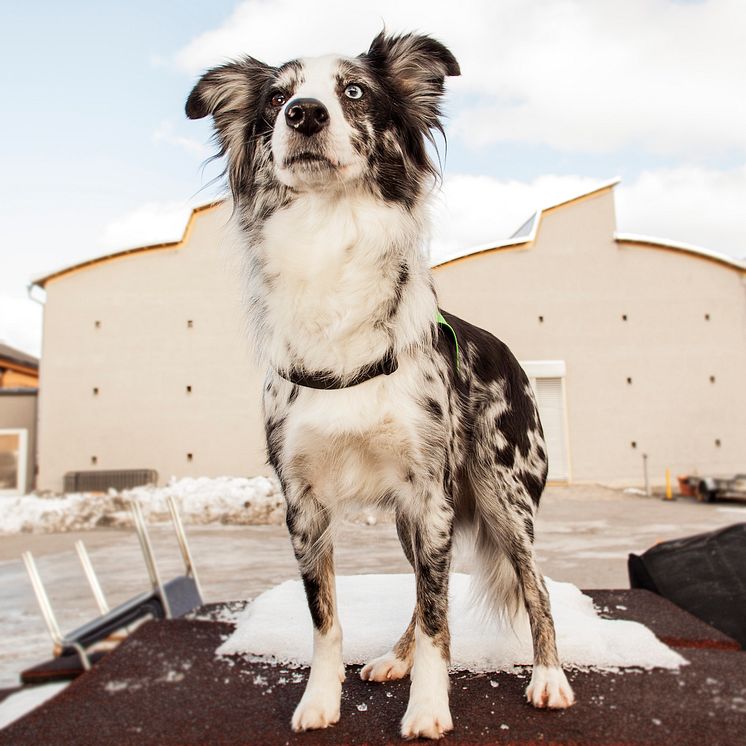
(325, 260)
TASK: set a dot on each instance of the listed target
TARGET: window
(13, 456)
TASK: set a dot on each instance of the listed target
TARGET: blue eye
(354, 91)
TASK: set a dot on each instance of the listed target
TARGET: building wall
(16, 379)
(583, 283)
(141, 357)
(18, 411)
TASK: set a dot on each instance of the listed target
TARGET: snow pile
(375, 609)
(234, 500)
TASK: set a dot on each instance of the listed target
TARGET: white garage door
(552, 413)
(548, 380)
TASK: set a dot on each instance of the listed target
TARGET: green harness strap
(439, 318)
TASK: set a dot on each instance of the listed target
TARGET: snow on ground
(375, 609)
(235, 500)
(19, 704)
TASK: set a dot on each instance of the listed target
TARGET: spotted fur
(330, 175)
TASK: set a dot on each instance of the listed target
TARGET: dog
(372, 392)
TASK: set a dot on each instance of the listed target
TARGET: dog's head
(327, 122)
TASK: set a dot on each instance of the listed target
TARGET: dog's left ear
(413, 61)
(227, 89)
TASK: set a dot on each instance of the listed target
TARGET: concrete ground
(583, 535)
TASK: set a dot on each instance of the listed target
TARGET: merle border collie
(372, 393)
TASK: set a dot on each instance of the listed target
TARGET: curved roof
(42, 281)
(527, 232)
(523, 237)
(660, 243)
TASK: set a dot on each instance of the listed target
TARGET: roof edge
(687, 248)
(531, 235)
(44, 279)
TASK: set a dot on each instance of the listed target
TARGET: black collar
(328, 380)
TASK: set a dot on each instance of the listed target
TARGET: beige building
(634, 345)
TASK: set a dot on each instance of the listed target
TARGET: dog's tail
(495, 588)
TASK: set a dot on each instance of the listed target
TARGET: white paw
(549, 688)
(429, 719)
(318, 708)
(387, 667)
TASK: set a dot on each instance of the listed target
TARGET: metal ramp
(78, 650)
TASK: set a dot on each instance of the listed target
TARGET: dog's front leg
(308, 523)
(428, 714)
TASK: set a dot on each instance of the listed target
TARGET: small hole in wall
(94, 460)
(190, 323)
(95, 390)
(712, 379)
(717, 442)
(189, 457)
(189, 389)
(634, 444)
(707, 317)
(97, 324)
(541, 319)
(629, 379)
(624, 317)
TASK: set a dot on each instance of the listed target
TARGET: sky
(555, 97)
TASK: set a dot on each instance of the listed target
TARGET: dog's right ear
(228, 89)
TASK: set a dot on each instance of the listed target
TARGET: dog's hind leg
(549, 686)
(309, 527)
(508, 574)
(397, 662)
(428, 713)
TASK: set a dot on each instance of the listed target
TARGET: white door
(12, 462)
(551, 403)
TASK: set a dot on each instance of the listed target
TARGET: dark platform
(164, 686)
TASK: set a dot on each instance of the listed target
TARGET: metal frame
(147, 552)
(46, 610)
(90, 575)
(60, 641)
(183, 545)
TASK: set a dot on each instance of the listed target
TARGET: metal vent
(101, 481)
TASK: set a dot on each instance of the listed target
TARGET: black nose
(307, 116)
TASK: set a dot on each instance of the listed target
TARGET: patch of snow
(375, 609)
(234, 500)
(21, 703)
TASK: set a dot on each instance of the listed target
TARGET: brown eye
(279, 100)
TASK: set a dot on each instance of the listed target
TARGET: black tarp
(704, 574)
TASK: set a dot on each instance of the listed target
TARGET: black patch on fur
(434, 408)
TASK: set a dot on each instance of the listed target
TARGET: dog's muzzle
(307, 116)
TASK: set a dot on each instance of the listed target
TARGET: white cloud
(165, 133)
(151, 223)
(577, 75)
(690, 204)
(20, 323)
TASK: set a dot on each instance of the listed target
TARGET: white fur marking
(319, 705)
(428, 714)
(386, 667)
(549, 688)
